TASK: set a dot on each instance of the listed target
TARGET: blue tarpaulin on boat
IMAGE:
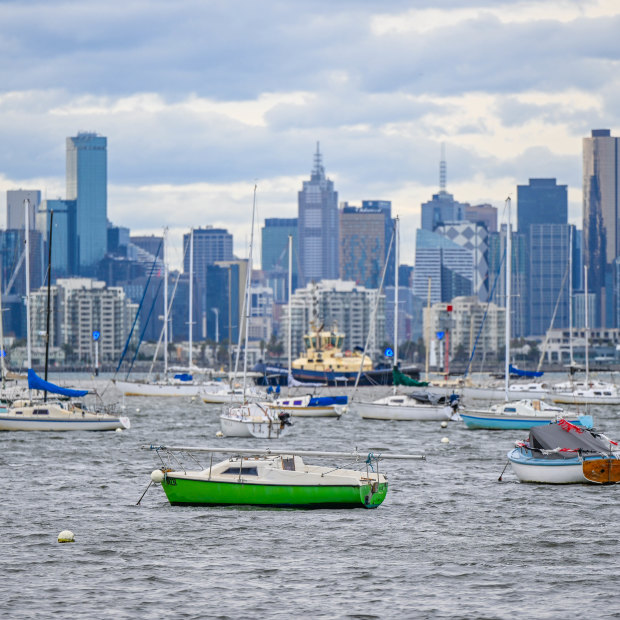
(326, 401)
(524, 373)
(183, 377)
(36, 383)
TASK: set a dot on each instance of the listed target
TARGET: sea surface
(450, 540)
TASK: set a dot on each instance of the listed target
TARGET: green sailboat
(277, 478)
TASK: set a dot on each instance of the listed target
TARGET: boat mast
(191, 294)
(508, 287)
(290, 306)
(2, 351)
(166, 301)
(247, 297)
(428, 328)
(585, 290)
(570, 296)
(27, 248)
(396, 261)
(49, 283)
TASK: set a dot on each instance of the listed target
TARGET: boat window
(597, 393)
(40, 412)
(607, 393)
(18, 413)
(510, 409)
(296, 402)
(245, 471)
(288, 463)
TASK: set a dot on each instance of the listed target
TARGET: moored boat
(310, 406)
(258, 420)
(521, 414)
(416, 406)
(278, 478)
(563, 453)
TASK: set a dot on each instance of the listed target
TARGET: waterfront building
(542, 201)
(261, 314)
(340, 305)
(15, 207)
(87, 180)
(601, 218)
(464, 322)
(81, 307)
(318, 226)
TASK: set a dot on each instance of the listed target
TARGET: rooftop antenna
(442, 169)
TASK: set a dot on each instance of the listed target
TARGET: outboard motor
(454, 402)
(285, 419)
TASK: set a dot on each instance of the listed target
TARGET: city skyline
(199, 103)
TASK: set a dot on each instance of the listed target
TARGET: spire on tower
(442, 169)
(318, 171)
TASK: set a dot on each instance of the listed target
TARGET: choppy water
(450, 541)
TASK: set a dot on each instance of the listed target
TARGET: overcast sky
(200, 99)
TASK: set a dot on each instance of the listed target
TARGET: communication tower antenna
(442, 169)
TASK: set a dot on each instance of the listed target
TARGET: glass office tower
(87, 179)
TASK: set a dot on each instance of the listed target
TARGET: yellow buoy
(66, 536)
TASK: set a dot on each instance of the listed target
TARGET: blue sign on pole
(96, 335)
(388, 352)
(2, 353)
(440, 335)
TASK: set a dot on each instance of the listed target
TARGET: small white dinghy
(259, 420)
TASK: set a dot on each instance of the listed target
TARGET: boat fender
(157, 476)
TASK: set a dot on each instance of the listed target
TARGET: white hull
(577, 399)
(374, 411)
(129, 388)
(314, 412)
(227, 396)
(34, 423)
(249, 428)
(549, 474)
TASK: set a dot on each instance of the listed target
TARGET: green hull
(181, 491)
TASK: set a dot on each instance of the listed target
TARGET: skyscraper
(542, 201)
(318, 229)
(87, 184)
(15, 207)
(362, 245)
(601, 224)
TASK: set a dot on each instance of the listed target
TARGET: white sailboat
(588, 391)
(526, 412)
(252, 419)
(416, 406)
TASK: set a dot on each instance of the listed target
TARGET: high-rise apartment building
(601, 218)
(64, 236)
(15, 207)
(87, 184)
(318, 226)
(485, 214)
(542, 201)
(274, 255)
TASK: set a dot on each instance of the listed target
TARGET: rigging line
(557, 303)
(146, 324)
(374, 311)
(146, 286)
(473, 352)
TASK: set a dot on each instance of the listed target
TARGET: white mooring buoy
(219, 434)
(445, 440)
(444, 424)
(119, 430)
(66, 536)
(157, 475)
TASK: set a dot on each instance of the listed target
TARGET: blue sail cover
(524, 373)
(36, 383)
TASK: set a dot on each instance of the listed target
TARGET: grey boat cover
(566, 436)
(430, 398)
